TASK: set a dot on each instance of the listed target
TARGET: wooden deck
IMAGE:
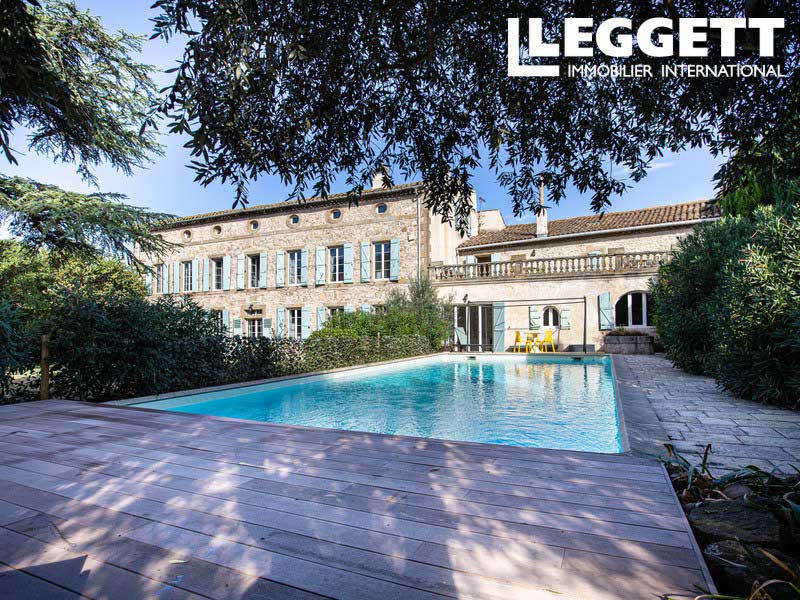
(114, 502)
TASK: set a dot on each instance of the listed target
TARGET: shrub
(685, 297)
(757, 332)
(15, 346)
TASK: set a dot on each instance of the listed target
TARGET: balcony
(565, 266)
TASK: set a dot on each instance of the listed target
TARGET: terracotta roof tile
(657, 215)
(331, 200)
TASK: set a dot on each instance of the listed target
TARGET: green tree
(74, 85)
(310, 90)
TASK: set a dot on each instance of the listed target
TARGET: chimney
(377, 179)
(541, 218)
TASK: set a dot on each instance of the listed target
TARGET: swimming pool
(558, 402)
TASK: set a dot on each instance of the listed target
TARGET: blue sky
(168, 186)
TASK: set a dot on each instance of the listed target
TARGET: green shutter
(534, 317)
(237, 327)
(348, 263)
(364, 257)
(319, 265)
(496, 257)
(262, 270)
(305, 326)
(499, 327)
(605, 311)
(176, 276)
(320, 317)
(206, 274)
(565, 322)
(226, 321)
(470, 260)
(280, 323)
(394, 261)
(195, 274)
(148, 282)
(304, 267)
(240, 272)
(165, 277)
(366, 308)
(280, 269)
(226, 273)
(349, 309)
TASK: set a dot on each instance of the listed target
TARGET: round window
(336, 214)
(217, 230)
(294, 219)
(187, 235)
(253, 225)
(381, 208)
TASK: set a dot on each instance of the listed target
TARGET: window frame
(257, 324)
(294, 272)
(217, 273)
(335, 310)
(336, 264)
(187, 273)
(646, 316)
(294, 323)
(382, 268)
(253, 269)
(159, 278)
(547, 317)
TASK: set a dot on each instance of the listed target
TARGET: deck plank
(266, 510)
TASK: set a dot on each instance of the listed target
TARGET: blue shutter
(349, 309)
(364, 256)
(148, 282)
(280, 323)
(176, 276)
(266, 326)
(304, 268)
(226, 321)
(534, 317)
(319, 265)
(565, 322)
(394, 262)
(606, 311)
(237, 327)
(470, 260)
(262, 270)
(469, 225)
(280, 268)
(206, 274)
(320, 317)
(165, 277)
(195, 274)
(240, 272)
(366, 308)
(348, 263)
(495, 258)
(226, 273)
(305, 326)
(499, 326)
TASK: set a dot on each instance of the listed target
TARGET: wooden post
(45, 380)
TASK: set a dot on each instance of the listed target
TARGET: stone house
(282, 269)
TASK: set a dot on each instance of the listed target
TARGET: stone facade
(396, 217)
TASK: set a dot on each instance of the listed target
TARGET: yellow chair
(517, 342)
(530, 341)
(547, 339)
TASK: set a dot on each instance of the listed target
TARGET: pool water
(546, 402)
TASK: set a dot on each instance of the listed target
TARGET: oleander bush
(728, 305)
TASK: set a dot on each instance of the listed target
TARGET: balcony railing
(605, 264)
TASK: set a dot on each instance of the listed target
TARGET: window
(631, 310)
(187, 235)
(217, 314)
(484, 263)
(216, 270)
(188, 276)
(383, 260)
(254, 261)
(336, 263)
(255, 328)
(379, 309)
(335, 310)
(336, 214)
(381, 208)
(550, 317)
(253, 225)
(294, 219)
(217, 230)
(296, 323)
(159, 278)
(295, 267)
